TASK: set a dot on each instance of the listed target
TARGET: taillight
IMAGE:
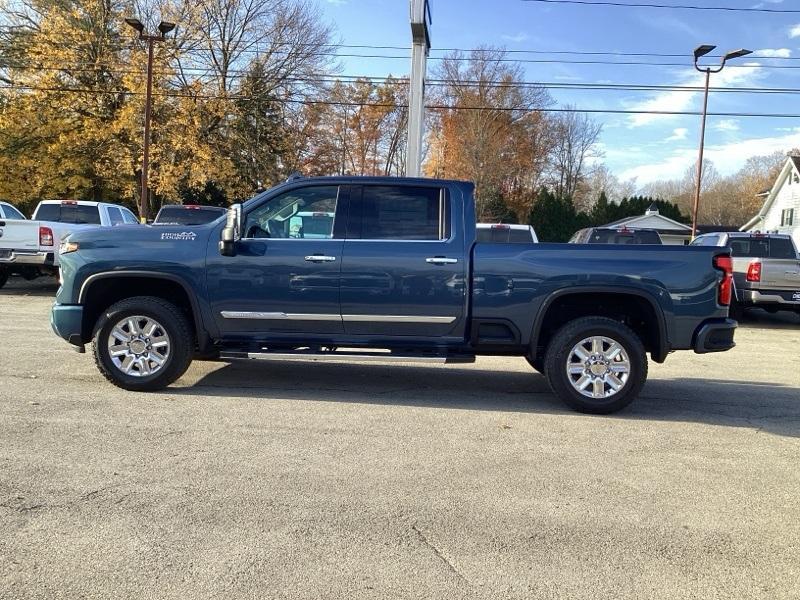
(754, 271)
(725, 291)
(45, 236)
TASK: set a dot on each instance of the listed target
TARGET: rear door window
(11, 213)
(114, 215)
(403, 213)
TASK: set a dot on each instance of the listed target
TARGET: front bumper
(67, 323)
(715, 335)
(31, 258)
(754, 297)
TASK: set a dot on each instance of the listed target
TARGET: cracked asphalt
(306, 480)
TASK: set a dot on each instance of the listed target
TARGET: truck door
(404, 266)
(283, 280)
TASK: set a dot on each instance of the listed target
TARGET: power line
(667, 6)
(429, 106)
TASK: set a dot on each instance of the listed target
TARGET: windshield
(182, 215)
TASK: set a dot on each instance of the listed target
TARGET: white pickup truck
(30, 248)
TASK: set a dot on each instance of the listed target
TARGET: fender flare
(203, 338)
(663, 332)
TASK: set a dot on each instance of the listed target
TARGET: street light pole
(699, 52)
(164, 28)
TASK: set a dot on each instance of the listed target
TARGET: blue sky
(647, 148)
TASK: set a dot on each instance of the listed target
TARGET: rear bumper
(32, 258)
(67, 322)
(790, 297)
(715, 335)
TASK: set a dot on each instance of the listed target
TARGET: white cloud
(774, 52)
(517, 37)
(795, 31)
(727, 158)
(681, 101)
(678, 134)
(727, 125)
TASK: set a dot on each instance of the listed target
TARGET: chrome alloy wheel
(598, 367)
(138, 346)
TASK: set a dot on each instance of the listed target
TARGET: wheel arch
(588, 301)
(119, 285)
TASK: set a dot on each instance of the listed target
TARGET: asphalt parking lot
(312, 480)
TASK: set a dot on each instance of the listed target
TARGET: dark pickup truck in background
(395, 275)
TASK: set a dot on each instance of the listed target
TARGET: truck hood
(144, 240)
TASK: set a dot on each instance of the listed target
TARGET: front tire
(3, 276)
(596, 365)
(143, 344)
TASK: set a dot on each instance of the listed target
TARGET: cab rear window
(501, 235)
(80, 214)
(762, 247)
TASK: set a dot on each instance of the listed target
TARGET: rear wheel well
(109, 290)
(634, 311)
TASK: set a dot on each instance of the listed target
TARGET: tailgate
(18, 235)
(780, 274)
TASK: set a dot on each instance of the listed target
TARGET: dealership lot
(305, 480)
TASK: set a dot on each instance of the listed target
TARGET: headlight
(67, 247)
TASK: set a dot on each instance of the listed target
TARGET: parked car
(766, 270)
(607, 235)
(188, 214)
(398, 276)
(502, 232)
(29, 248)
(9, 212)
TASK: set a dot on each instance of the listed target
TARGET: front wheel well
(107, 291)
(635, 311)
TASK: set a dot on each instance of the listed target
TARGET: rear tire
(3, 276)
(596, 365)
(143, 344)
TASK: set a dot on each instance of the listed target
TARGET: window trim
(445, 206)
(340, 217)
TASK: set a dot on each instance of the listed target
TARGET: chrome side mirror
(232, 232)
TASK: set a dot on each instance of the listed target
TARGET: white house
(781, 210)
(671, 231)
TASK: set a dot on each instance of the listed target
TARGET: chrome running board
(343, 355)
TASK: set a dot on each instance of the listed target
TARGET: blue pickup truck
(390, 270)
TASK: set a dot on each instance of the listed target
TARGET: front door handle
(441, 260)
(320, 258)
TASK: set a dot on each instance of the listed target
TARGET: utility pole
(699, 52)
(420, 47)
(164, 28)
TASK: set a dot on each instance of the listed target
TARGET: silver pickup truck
(766, 270)
(30, 248)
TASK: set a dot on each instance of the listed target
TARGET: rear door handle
(441, 260)
(320, 258)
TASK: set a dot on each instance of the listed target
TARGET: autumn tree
(487, 128)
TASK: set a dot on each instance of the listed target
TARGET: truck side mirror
(232, 232)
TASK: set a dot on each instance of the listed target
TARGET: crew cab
(396, 276)
(29, 248)
(766, 270)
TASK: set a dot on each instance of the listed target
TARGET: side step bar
(359, 356)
